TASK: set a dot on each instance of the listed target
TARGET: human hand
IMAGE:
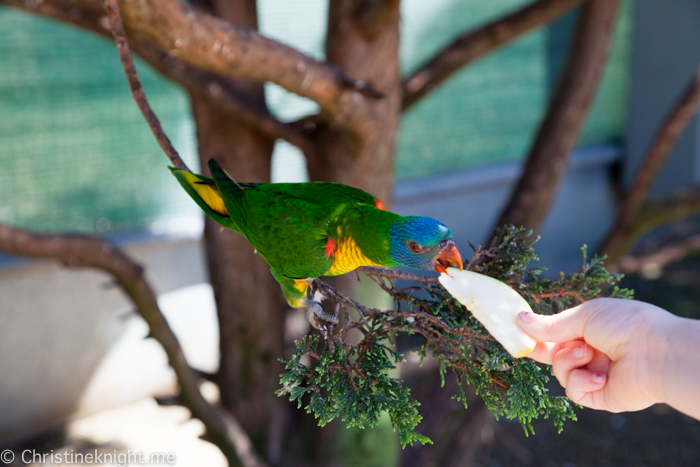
(608, 353)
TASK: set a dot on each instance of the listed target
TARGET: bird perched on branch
(307, 230)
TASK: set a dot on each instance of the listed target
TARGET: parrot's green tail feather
(228, 187)
(232, 193)
(204, 192)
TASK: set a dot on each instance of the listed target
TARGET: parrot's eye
(414, 247)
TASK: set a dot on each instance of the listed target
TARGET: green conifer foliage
(354, 381)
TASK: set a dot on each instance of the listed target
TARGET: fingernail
(580, 351)
(598, 378)
(526, 316)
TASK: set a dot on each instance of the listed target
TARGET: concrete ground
(141, 433)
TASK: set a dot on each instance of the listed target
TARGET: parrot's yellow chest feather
(348, 256)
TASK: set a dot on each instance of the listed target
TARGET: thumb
(563, 327)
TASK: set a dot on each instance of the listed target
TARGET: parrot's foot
(314, 312)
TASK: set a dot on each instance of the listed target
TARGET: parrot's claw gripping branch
(314, 312)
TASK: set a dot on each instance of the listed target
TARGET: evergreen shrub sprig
(351, 378)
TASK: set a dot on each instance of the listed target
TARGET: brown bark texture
(205, 84)
(214, 124)
(547, 161)
(249, 302)
(363, 42)
(219, 46)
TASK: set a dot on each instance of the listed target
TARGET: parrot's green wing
(287, 223)
(288, 231)
(204, 192)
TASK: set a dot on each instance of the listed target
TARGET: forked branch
(475, 44)
(626, 226)
(212, 44)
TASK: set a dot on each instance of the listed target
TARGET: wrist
(675, 369)
(662, 337)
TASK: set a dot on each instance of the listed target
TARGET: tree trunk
(249, 302)
(363, 39)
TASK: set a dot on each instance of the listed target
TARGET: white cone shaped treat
(495, 304)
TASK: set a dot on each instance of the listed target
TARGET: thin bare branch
(677, 207)
(548, 159)
(668, 254)
(94, 252)
(399, 275)
(624, 230)
(475, 44)
(137, 91)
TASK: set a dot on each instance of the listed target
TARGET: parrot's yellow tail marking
(209, 194)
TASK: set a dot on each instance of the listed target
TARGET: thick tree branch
(475, 44)
(212, 44)
(547, 162)
(218, 92)
(625, 228)
(94, 252)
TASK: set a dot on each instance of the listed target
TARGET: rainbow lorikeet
(307, 230)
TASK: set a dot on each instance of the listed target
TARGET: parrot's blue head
(423, 243)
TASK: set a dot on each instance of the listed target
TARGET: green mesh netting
(489, 112)
(76, 154)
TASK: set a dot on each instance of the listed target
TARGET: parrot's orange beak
(448, 257)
